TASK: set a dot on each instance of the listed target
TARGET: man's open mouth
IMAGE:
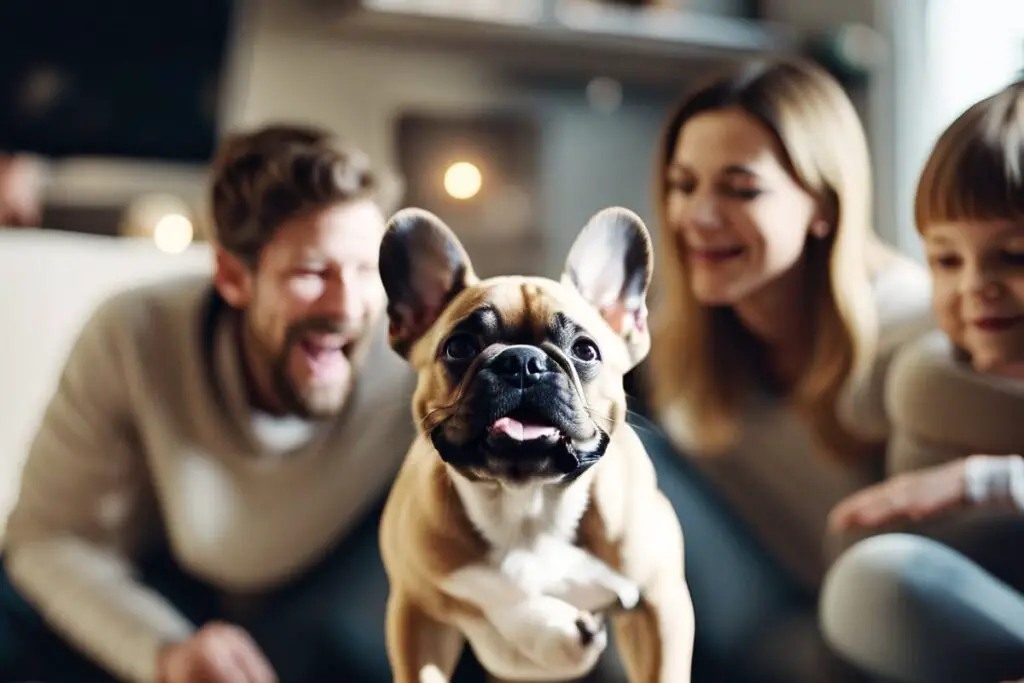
(326, 353)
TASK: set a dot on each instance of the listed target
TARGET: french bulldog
(526, 510)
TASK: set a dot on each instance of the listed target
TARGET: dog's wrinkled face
(520, 378)
(518, 387)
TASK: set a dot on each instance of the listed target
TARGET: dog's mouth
(526, 427)
(540, 434)
(525, 444)
(521, 447)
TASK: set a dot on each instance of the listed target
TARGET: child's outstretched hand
(913, 495)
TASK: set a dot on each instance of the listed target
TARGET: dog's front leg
(559, 639)
(420, 649)
(656, 639)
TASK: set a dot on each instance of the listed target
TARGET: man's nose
(343, 298)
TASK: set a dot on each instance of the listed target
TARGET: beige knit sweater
(149, 433)
(773, 478)
(943, 410)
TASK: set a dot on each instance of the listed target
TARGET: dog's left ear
(423, 267)
(611, 264)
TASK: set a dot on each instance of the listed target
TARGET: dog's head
(520, 378)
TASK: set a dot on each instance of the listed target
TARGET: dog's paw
(606, 594)
(628, 594)
(556, 636)
(590, 627)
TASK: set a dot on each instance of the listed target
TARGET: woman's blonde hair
(703, 359)
(976, 169)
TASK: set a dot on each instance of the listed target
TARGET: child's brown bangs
(976, 170)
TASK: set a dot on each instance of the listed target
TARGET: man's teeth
(325, 345)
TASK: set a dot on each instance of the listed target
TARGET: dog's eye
(586, 351)
(461, 347)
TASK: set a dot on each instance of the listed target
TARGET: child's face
(978, 295)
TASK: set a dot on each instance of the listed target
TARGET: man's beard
(287, 390)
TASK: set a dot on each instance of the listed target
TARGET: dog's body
(527, 507)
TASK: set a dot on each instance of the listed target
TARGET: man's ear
(232, 278)
(610, 264)
(423, 266)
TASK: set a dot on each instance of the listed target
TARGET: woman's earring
(820, 229)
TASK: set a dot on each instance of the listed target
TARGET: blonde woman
(951, 607)
(779, 310)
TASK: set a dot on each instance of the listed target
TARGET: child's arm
(911, 495)
(978, 480)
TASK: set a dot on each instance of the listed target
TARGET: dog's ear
(611, 264)
(423, 266)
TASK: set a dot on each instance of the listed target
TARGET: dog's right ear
(423, 266)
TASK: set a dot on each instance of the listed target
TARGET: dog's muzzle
(524, 419)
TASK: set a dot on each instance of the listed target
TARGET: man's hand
(21, 192)
(913, 495)
(217, 653)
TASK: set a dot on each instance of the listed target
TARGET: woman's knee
(881, 599)
(864, 584)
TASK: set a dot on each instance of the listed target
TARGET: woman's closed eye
(744, 193)
(684, 185)
(688, 187)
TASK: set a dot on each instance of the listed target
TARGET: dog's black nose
(521, 366)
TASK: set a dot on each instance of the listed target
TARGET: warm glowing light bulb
(173, 233)
(462, 180)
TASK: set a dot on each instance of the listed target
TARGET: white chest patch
(537, 590)
(531, 530)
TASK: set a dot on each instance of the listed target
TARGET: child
(903, 606)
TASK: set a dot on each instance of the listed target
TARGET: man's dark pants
(327, 625)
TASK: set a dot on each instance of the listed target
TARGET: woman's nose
(703, 213)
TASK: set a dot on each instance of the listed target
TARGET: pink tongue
(514, 429)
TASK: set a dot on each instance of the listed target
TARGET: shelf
(561, 34)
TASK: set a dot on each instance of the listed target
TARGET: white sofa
(50, 282)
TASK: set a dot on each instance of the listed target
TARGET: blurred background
(514, 119)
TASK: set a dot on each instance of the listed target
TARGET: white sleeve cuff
(994, 479)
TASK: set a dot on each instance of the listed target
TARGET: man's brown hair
(264, 177)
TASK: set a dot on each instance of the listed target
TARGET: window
(947, 55)
(974, 47)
